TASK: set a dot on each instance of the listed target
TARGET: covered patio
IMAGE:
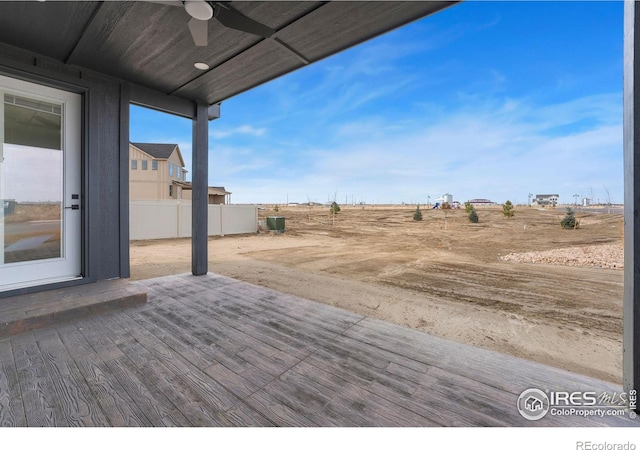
(213, 351)
(207, 350)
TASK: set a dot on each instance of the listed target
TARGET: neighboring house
(156, 172)
(217, 195)
(476, 202)
(546, 200)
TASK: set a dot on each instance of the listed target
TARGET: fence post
(221, 220)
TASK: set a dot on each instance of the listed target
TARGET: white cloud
(243, 129)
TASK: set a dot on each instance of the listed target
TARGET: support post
(199, 202)
(631, 123)
(125, 102)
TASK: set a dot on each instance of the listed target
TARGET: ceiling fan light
(199, 10)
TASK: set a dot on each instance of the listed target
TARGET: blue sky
(482, 100)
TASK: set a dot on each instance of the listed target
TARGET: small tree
(569, 222)
(507, 209)
(333, 211)
(417, 214)
(473, 216)
(276, 209)
(468, 207)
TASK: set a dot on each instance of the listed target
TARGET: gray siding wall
(105, 179)
(105, 184)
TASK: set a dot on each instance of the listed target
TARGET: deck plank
(356, 374)
(11, 410)
(119, 408)
(242, 415)
(465, 360)
(150, 401)
(177, 337)
(78, 404)
(279, 413)
(161, 370)
(252, 326)
(241, 385)
(41, 405)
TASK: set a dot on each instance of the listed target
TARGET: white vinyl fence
(158, 219)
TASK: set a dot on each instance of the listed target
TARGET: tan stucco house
(156, 172)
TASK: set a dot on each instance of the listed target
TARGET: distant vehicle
(261, 207)
(436, 206)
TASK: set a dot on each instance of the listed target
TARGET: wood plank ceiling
(149, 44)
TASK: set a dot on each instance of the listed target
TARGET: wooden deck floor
(213, 351)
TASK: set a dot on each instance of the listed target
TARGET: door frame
(78, 122)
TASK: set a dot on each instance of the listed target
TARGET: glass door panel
(32, 180)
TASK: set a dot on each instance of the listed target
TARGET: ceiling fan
(202, 11)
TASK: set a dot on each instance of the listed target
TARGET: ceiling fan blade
(233, 19)
(199, 29)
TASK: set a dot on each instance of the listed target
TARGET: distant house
(156, 172)
(218, 195)
(546, 200)
(476, 202)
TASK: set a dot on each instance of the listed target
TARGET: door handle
(74, 197)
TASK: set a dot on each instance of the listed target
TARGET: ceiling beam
(159, 101)
(68, 59)
(291, 51)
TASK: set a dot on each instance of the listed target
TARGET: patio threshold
(32, 311)
(213, 351)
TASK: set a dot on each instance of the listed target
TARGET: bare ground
(443, 275)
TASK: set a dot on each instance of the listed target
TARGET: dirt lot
(443, 275)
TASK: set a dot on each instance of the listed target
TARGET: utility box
(275, 223)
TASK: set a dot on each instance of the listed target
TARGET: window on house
(154, 165)
(171, 190)
(134, 164)
(170, 169)
(144, 164)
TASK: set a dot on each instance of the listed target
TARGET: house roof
(159, 151)
(149, 44)
(217, 190)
